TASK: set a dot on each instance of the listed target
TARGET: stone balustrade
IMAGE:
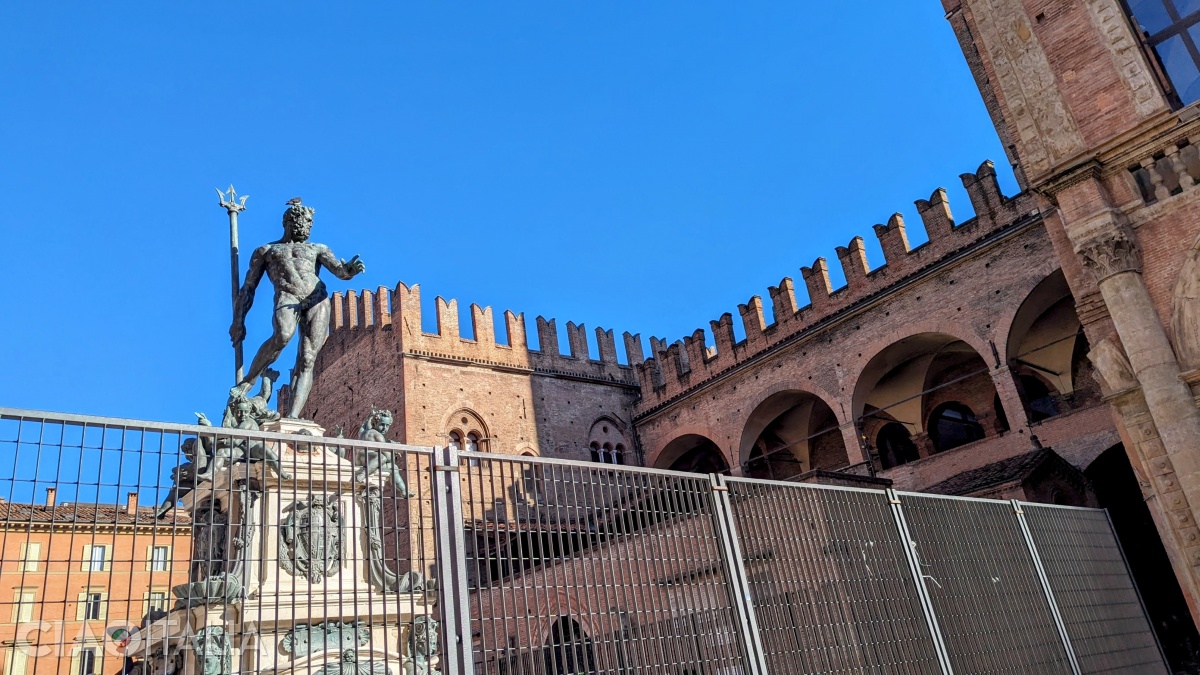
(1169, 172)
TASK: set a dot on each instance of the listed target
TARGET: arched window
(569, 651)
(952, 425)
(1041, 401)
(455, 441)
(895, 445)
(607, 454)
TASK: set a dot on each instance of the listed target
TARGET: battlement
(395, 314)
(674, 368)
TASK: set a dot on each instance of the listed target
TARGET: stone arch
(1045, 349)
(789, 432)
(465, 422)
(911, 377)
(568, 648)
(608, 441)
(1003, 328)
(859, 365)
(694, 453)
(654, 456)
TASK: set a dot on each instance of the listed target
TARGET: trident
(233, 206)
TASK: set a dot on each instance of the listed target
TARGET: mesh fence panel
(277, 552)
(297, 553)
(584, 568)
(1095, 595)
(977, 569)
(831, 585)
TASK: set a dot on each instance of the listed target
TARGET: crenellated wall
(673, 369)
(399, 310)
(518, 399)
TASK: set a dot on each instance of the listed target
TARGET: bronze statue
(370, 460)
(301, 301)
(205, 459)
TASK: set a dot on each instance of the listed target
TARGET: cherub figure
(248, 414)
(422, 657)
(186, 475)
(371, 460)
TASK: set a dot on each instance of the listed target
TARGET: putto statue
(370, 460)
(241, 412)
(301, 301)
(422, 657)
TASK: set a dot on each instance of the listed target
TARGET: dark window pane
(1150, 15)
(1186, 7)
(1181, 68)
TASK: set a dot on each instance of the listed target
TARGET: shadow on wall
(1116, 487)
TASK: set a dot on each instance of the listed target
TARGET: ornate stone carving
(350, 665)
(1185, 310)
(1112, 368)
(213, 655)
(1033, 102)
(1114, 28)
(310, 539)
(1109, 255)
(305, 640)
(422, 655)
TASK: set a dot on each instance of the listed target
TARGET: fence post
(451, 563)
(914, 566)
(739, 585)
(1041, 572)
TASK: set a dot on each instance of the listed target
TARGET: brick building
(1046, 348)
(71, 572)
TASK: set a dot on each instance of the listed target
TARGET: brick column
(1010, 399)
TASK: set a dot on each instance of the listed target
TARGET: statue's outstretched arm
(245, 298)
(342, 269)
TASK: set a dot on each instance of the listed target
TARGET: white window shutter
(87, 559)
(80, 611)
(150, 558)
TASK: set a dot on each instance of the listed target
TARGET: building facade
(73, 573)
(1046, 348)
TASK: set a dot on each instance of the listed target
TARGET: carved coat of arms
(310, 539)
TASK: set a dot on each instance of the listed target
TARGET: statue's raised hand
(237, 333)
(354, 266)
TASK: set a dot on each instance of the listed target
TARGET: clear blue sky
(640, 166)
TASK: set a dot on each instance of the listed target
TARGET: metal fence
(290, 553)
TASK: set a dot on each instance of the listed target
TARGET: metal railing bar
(1019, 514)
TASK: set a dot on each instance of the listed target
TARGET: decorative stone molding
(310, 639)
(1109, 19)
(1112, 369)
(1111, 255)
(1046, 133)
(1185, 312)
(311, 542)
